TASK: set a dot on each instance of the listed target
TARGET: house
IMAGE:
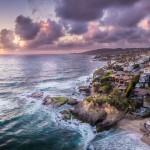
(121, 79)
(147, 68)
(141, 93)
(143, 81)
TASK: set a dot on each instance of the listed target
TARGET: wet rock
(72, 102)
(85, 89)
(66, 115)
(55, 101)
(36, 95)
(106, 124)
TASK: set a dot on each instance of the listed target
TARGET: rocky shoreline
(99, 108)
(102, 115)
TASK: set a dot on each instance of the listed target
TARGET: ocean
(26, 124)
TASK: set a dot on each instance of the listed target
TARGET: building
(147, 68)
(141, 93)
(121, 80)
(143, 81)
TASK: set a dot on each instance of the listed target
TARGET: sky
(68, 26)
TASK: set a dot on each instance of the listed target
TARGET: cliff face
(103, 116)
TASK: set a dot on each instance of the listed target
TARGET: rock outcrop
(55, 101)
(36, 95)
(103, 116)
(58, 101)
(66, 115)
(72, 102)
(85, 89)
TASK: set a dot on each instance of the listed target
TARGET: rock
(103, 116)
(113, 117)
(66, 115)
(58, 104)
(47, 100)
(36, 95)
(89, 112)
(55, 101)
(85, 89)
(106, 124)
(72, 102)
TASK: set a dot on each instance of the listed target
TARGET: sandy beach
(135, 125)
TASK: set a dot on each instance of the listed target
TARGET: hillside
(109, 50)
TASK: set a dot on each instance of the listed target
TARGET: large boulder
(102, 115)
(55, 101)
(89, 112)
(85, 89)
(72, 102)
(113, 117)
(66, 115)
(36, 95)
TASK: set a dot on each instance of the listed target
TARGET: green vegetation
(105, 79)
(96, 86)
(107, 88)
(89, 99)
(60, 99)
(118, 100)
(104, 83)
(99, 99)
(132, 85)
(99, 72)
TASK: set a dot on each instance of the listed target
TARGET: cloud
(78, 28)
(81, 24)
(111, 34)
(6, 39)
(127, 16)
(87, 10)
(49, 32)
(26, 28)
(33, 6)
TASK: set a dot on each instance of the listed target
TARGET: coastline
(134, 126)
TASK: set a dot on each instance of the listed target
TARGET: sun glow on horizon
(19, 42)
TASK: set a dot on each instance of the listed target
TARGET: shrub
(99, 72)
(107, 88)
(132, 85)
(116, 99)
(89, 99)
(96, 86)
(105, 79)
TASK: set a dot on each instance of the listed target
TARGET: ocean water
(25, 124)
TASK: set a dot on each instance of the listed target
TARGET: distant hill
(108, 51)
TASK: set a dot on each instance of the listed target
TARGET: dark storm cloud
(128, 16)
(78, 28)
(26, 28)
(6, 39)
(87, 10)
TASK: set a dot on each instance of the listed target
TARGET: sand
(135, 125)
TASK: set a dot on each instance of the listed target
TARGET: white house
(147, 69)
